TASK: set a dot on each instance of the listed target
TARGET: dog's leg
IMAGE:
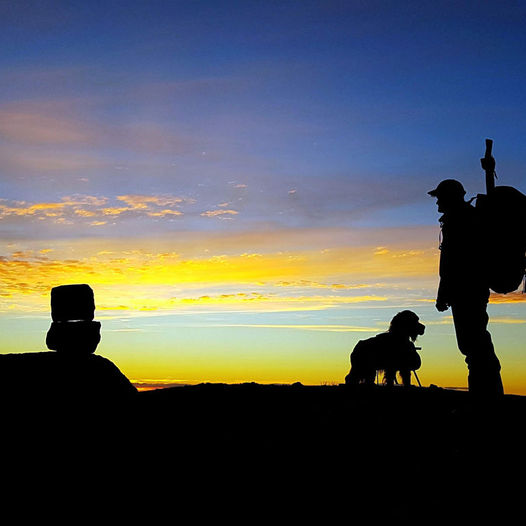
(389, 377)
(369, 376)
(406, 378)
(351, 378)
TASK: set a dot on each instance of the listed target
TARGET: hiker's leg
(474, 342)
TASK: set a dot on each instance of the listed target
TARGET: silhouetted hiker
(389, 352)
(464, 287)
(71, 374)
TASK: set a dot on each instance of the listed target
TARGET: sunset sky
(244, 183)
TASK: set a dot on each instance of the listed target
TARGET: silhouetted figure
(389, 352)
(71, 375)
(464, 287)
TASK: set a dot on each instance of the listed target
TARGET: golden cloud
(513, 297)
(114, 211)
(218, 213)
(304, 283)
(149, 275)
(162, 213)
(137, 201)
(143, 275)
(86, 206)
(85, 213)
(507, 321)
(21, 210)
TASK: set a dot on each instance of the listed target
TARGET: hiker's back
(503, 222)
(462, 261)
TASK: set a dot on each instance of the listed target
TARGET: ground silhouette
(391, 452)
(296, 452)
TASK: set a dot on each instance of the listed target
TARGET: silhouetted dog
(389, 352)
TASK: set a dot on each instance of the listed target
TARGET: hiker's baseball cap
(448, 187)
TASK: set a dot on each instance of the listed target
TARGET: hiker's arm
(442, 303)
(488, 164)
(443, 294)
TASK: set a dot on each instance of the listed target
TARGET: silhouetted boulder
(72, 302)
(64, 378)
(72, 377)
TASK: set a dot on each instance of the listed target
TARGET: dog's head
(406, 323)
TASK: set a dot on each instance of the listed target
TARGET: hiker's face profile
(446, 202)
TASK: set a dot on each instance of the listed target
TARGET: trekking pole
(414, 370)
(490, 174)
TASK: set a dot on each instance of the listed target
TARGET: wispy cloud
(145, 384)
(138, 201)
(28, 125)
(95, 209)
(513, 297)
(274, 303)
(304, 283)
(219, 213)
(18, 161)
(322, 328)
(507, 320)
(141, 280)
(69, 123)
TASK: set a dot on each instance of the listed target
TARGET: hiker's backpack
(503, 215)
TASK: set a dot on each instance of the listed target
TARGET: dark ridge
(400, 453)
(289, 451)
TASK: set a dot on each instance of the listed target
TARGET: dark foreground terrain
(258, 453)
